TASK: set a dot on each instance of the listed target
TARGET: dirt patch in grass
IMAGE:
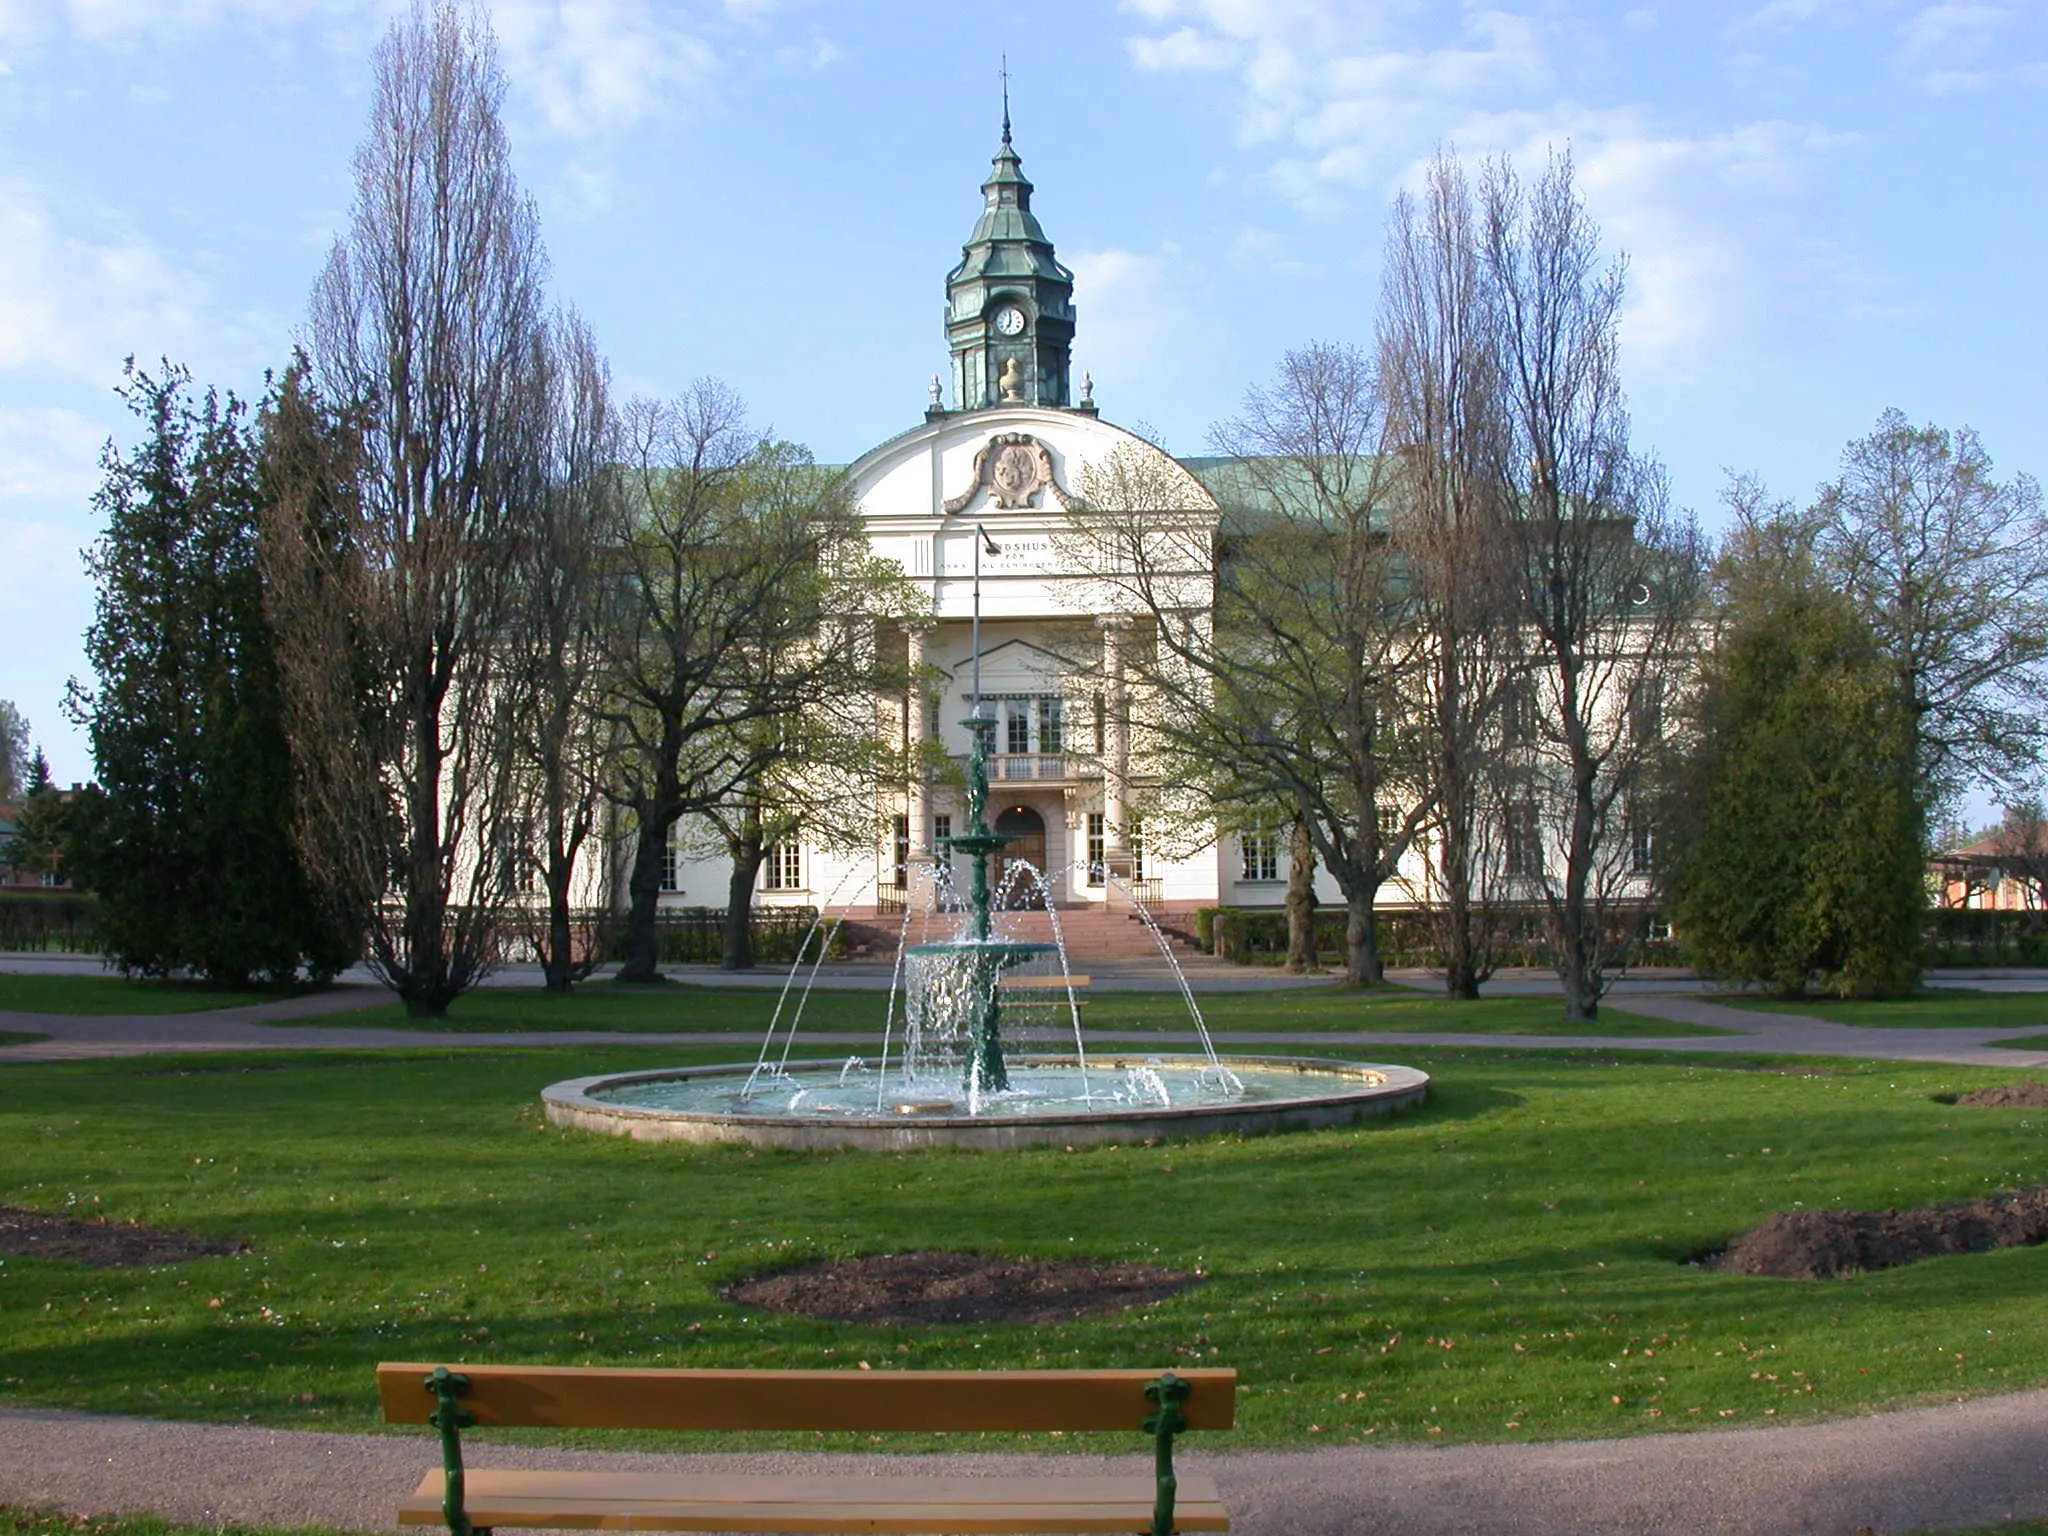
(101, 1244)
(1817, 1245)
(2007, 1096)
(934, 1287)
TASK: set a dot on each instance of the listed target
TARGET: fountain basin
(701, 1104)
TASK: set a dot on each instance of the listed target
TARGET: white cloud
(1139, 321)
(1183, 49)
(80, 289)
(595, 67)
(1953, 27)
(49, 454)
(583, 67)
(1716, 223)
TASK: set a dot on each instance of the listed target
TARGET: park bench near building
(471, 1502)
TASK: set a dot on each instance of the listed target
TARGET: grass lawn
(687, 1008)
(1948, 1008)
(1506, 1263)
(116, 994)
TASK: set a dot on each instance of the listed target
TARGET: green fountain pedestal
(978, 953)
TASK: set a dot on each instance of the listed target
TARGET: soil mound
(933, 1287)
(2008, 1096)
(101, 1244)
(1816, 1245)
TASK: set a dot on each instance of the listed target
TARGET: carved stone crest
(1013, 467)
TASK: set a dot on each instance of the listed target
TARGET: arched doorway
(1028, 828)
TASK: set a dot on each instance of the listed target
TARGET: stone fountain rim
(570, 1103)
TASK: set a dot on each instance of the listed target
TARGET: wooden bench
(473, 1502)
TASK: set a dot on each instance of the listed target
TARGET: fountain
(952, 1083)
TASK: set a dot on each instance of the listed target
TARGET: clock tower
(1009, 304)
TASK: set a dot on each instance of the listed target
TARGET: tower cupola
(1009, 304)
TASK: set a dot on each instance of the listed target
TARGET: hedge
(66, 921)
(1258, 936)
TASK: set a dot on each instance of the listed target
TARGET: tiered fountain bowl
(946, 1077)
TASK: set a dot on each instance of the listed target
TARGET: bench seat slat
(878, 1401)
(823, 1504)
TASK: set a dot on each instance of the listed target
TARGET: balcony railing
(1039, 767)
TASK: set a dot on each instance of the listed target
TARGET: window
(1389, 824)
(668, 868)
(1052, 725)
(899, 852)
(1098, 839)
(1524, 840)
(1261, 849)
(1134, 841)
(1646, 710)
(1518, 712)
(942, 828)
(1017, 726)
(785, 867)
(1642, 849)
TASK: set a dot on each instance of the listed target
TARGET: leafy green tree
(188, 839)
(1950, 567)
(1799, 862)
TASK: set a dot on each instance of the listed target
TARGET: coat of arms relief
(1013, 467)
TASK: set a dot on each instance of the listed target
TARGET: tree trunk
(558, 966)
(1361, 943)
(747, 855)
(1301, 902)
(1461, 960)
(643, 900)
(1577, 963)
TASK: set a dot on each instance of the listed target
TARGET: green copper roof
(1008, 240)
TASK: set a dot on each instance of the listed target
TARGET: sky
(1826, 207)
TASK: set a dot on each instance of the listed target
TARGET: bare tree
(2020, 844)
(13, 751)
(1604, 576)
(427, 332)
(1952, 568)
(1439, 366)
(744, 592)
(1283, 680)
(562, 737)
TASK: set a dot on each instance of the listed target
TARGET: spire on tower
(1006, 99)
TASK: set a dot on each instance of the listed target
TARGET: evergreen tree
(188, 840)
(1800, 855)
(42, 823)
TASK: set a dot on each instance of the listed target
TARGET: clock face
(1010, 320)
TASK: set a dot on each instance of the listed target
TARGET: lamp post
(980, 538)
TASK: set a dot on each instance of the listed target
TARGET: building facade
(974, 504)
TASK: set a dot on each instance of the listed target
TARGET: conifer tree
(188, 837)
(1800, 861)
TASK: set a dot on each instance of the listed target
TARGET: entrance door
(1028, 828)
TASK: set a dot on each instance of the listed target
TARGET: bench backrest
(593, 1397)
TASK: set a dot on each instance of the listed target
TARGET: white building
(977, 498)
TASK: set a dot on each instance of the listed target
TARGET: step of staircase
(1087, 932)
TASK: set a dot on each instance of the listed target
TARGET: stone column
(1116, 752)
(917, 731)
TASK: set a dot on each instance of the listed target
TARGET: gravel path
(1949, 1466)
(1962, 1464)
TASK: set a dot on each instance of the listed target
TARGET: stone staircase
(1092, 933)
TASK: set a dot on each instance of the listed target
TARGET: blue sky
(1828, 207)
